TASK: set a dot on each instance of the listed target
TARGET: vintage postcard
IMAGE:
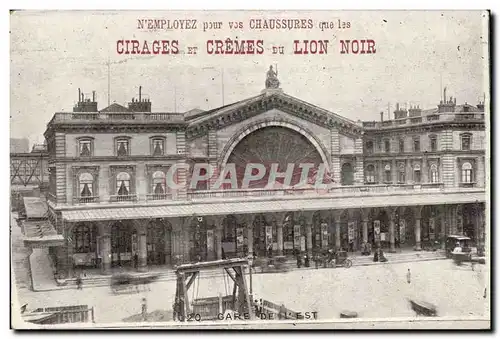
(250, 169)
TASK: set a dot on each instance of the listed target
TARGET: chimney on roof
(140, 105)
(85, 105)
(400, 113)
(382, 116)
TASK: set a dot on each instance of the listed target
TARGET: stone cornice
(278, 101)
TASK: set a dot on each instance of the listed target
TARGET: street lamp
(222, 79)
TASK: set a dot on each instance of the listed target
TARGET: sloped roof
(224, 109)
(194, 113)
(115, 108)
(35, 207)
(220, 111)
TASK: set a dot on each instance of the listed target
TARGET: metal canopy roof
(249, 205)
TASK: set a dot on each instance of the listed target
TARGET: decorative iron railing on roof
(62, 117)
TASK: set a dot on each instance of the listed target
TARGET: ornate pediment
(268, 100)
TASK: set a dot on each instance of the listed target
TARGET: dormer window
(122, 146)
(85, 147)
(157, 146)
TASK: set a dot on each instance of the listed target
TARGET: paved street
(372, 291)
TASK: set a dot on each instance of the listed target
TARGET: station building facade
(403, 182)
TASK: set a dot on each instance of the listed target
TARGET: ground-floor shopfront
(139, 243)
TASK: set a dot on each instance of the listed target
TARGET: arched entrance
(123, 243)
(278, 146)
(158, 242)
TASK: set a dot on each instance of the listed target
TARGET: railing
(86, 200)
(365, 189)
(135, 117)
(445, 116)
(65, 314)
(165, 196)
(120, 198)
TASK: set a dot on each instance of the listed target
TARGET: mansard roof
(241, 110)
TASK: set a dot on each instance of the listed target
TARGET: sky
(52, 54)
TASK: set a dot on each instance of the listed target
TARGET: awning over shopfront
(214, 207)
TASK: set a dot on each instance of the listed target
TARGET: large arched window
(123, 183)
(86, 185)
(370, 174)
(347, 174)
(467, 172)
(434, 174)
(84, 239)
(159, 183)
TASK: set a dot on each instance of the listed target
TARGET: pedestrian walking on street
(144, 310)
(408, 276)
(79, 282)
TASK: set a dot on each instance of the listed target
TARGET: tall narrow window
(434, 173)
(401, 173)
(467, 172)
(123, 183)
(433, 141)
(85, 147)
(416, 173)
(370, 174)
(387, 146)
(347, 174)
(369, 147)
(388, 176)
(159, 183)
(86, 181)
(416, 144)
(84, 239)
(122, 147)
(401, 145)
(158, 146)
(466, 142)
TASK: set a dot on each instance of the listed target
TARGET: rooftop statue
(272, 79)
